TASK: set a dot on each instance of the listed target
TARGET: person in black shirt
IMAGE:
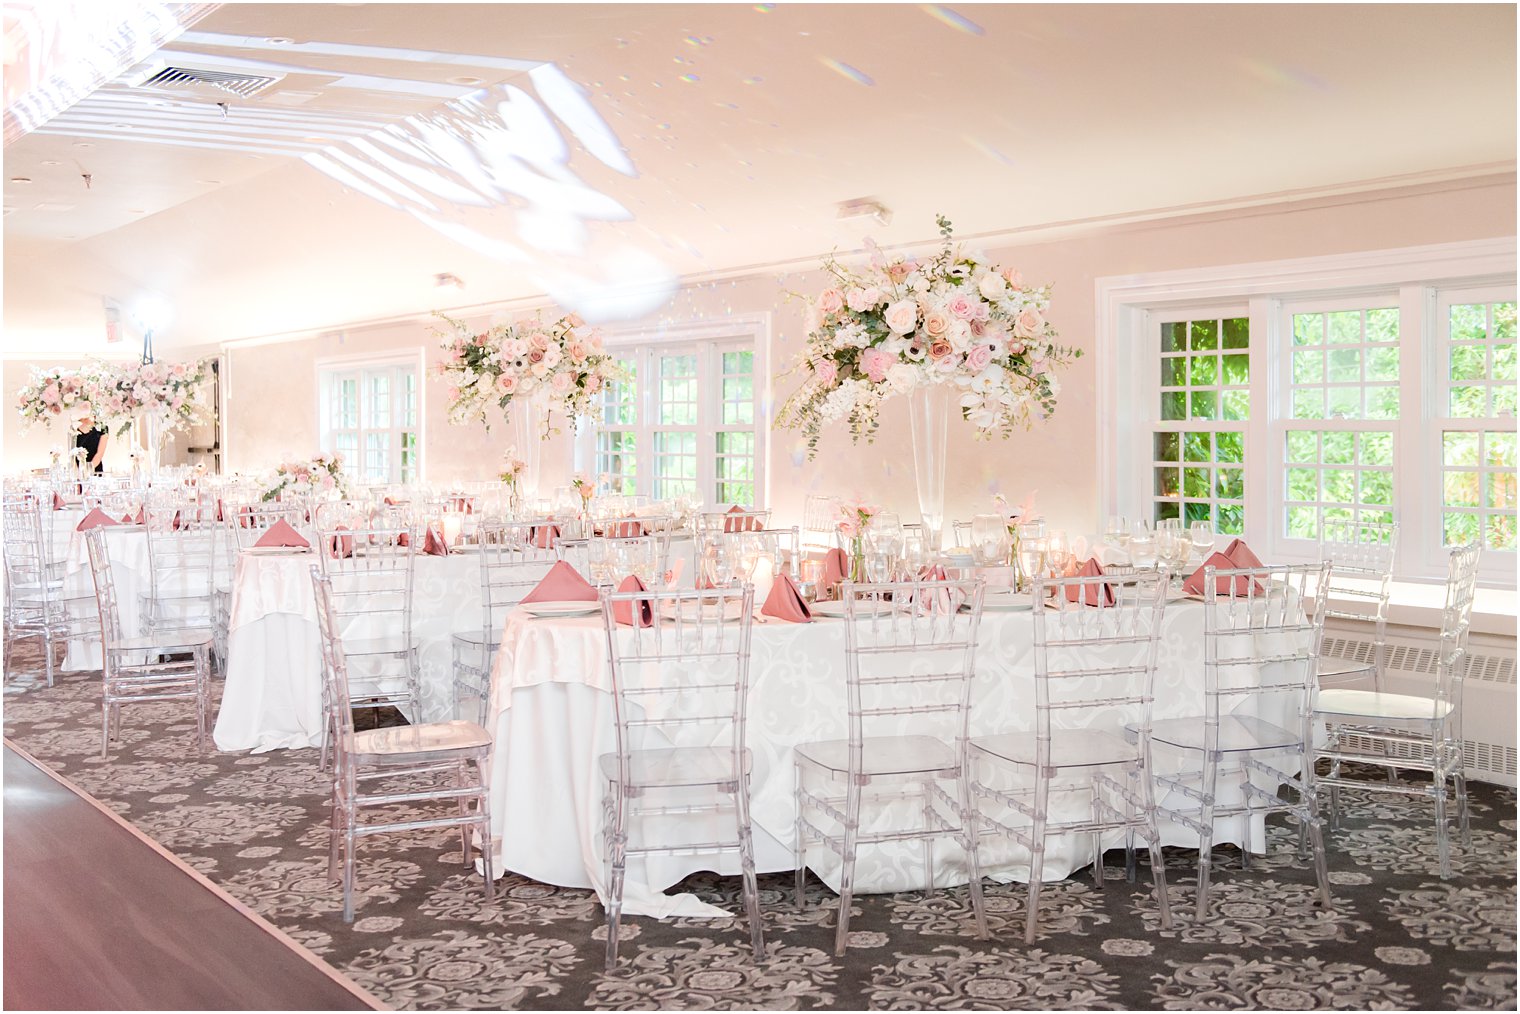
(94, 442)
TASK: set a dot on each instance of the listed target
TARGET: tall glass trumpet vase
(527, 416)
(153, 431)
(929, 412)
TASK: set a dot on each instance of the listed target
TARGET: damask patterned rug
(1397, 938)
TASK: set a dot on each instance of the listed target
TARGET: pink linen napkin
(940, 600)
(95, 519)
(836, 566)
(785, 602)
(544, 535)
(1090, 593)
(740, 524)
(674, 573)
(57, 502)
(1194, 584)
(625, 530)
(340, 547)
(281, 534)
(562, 584)
(433, 545)
(1240, 555)
(623, 611)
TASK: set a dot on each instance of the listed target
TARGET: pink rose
(901, 269)
(1013, 278)
(901, 316)
(535, 355)
(453, 394)
(979, 358)
(939, 349)
(561, 382)
(576, 351)
(874, 363)
(593, 383)
(962, 306)
(50, 394)
(830, 301)
(539, 340)
(1016, 349)
(978, 328)
(179, 369)
(575, 320)
(826, 371)
(1029, 323)
(506, 383)
(935, 323)
(861, 300)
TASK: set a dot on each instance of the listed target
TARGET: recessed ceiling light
(278, 40)
(134, 211)
(51, 161)
(122, 126)
(318, 140)
(210, 183)
(466, 80)
(83, 144)
(20, 179)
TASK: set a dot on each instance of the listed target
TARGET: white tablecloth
(551, 714)
(127, 549)
(273, 697)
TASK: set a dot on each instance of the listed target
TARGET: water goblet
(1031, 557)
(1201, 535)
(1116, 530)
(989, 539)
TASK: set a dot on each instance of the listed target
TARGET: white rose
(992, 286)
(902, 377)
(902, 316)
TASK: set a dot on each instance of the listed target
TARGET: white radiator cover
(1489, 696)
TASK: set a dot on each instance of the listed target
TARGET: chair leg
(1205, 858)
(926, 846)
(618, 860)
(1158, 861)
(847, 871)
(799, 841)
(334, 838)
(105, 729)
(461, 782)
(47, 650)
(1443, 832)
(747, 865)
(1097, 868)
(483, 836)
(970, 828)
(350, 864)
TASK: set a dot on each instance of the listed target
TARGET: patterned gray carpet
(1397, 938)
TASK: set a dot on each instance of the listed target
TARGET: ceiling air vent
(241, 85)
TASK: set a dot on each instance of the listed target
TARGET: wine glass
(878, 567)
(1058, 553)
(1116, 530)
(599, 561)
(1031, 557)
(886, 534)
(1142, 544)
(1201, 534)
(989, 539)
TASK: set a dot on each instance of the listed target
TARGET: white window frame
(1126, 352)
(330, 368)
(709, 339)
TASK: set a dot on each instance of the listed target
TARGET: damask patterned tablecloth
(273, 697)
(552, 718)
(127, 549)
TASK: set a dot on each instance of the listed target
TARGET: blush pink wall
(272, 409)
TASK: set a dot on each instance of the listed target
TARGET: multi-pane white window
(1198, 443)
(1477, 397)
(1341, 411)
(683, 425)
(370, 417)
(1270, 399)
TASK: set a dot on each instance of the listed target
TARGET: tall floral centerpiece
(526, 370)
(950, 332)
(164, 395)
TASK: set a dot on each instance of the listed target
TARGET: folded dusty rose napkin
(95, 519)
(740, 524)
(836, 566)
(281, 534)
(623, 611)
(1240, 555)
(1194, 585)
(785, 601)
(544, 536)
(940, 600)
(625, 530)
(674, 573)
(562, 584)
(340, 547)
(1090, 593)
(57, 502)
(433, 545)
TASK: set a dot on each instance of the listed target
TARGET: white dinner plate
(838, 608)
(277, 550)
(544, 610)
(1006, 602)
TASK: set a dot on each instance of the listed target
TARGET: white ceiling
(744, 127)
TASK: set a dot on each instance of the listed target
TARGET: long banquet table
(551, 718)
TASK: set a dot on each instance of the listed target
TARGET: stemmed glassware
(989, 539)
(1116, 530)
(1058, 553)
(1142, 544)
(1032, 552)
(1201, 534)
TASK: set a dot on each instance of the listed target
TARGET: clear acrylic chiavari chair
(144, 669)
(1262, 634)
(437, 762)
(820, 518)
(680, 690)
(1095, 649)
(510, 567)
(1361, 555)
(1407, 731)
(181, 566)
(910, 657)
(35, 603)
(372, 575)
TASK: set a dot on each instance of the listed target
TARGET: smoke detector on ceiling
(865, 207)
(202, 80)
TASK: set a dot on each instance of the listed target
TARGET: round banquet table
(551, 718)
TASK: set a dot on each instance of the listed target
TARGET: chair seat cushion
(1236, 734)
(1072, 748)
(409, 740)
(1370, 704)
(675, 767)
(883, 755)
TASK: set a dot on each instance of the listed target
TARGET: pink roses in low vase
(855, 520)
(950, 332)
(525, 371)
